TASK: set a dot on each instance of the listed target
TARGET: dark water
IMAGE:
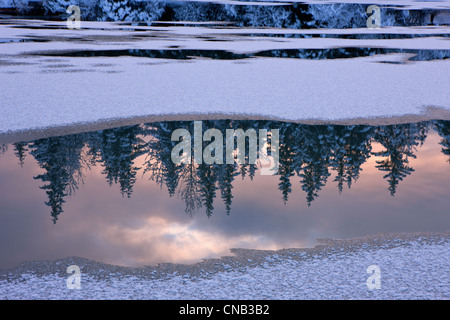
(116, 196)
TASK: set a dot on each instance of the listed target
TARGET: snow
(39, 91)
(414, 269)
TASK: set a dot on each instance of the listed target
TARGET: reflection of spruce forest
(308, 154)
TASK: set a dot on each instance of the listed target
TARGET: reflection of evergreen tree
(351, 148)
(190, 188)
(159, 164)
(196, 183)
(61, 160)
(297, 15)
(400, 142)
(443, 129)
(306, 150)
(20, 149)
(226, 173)
(113, 10)
(286, 161)
(119, 148)
(251, 171)
(207, 181)
(3, 149)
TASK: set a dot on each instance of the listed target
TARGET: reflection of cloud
(158, 239)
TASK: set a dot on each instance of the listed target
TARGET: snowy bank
(412, 266)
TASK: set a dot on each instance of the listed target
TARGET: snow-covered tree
(199, 11)
(59, 7)
(443, 129)
(208, 186)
